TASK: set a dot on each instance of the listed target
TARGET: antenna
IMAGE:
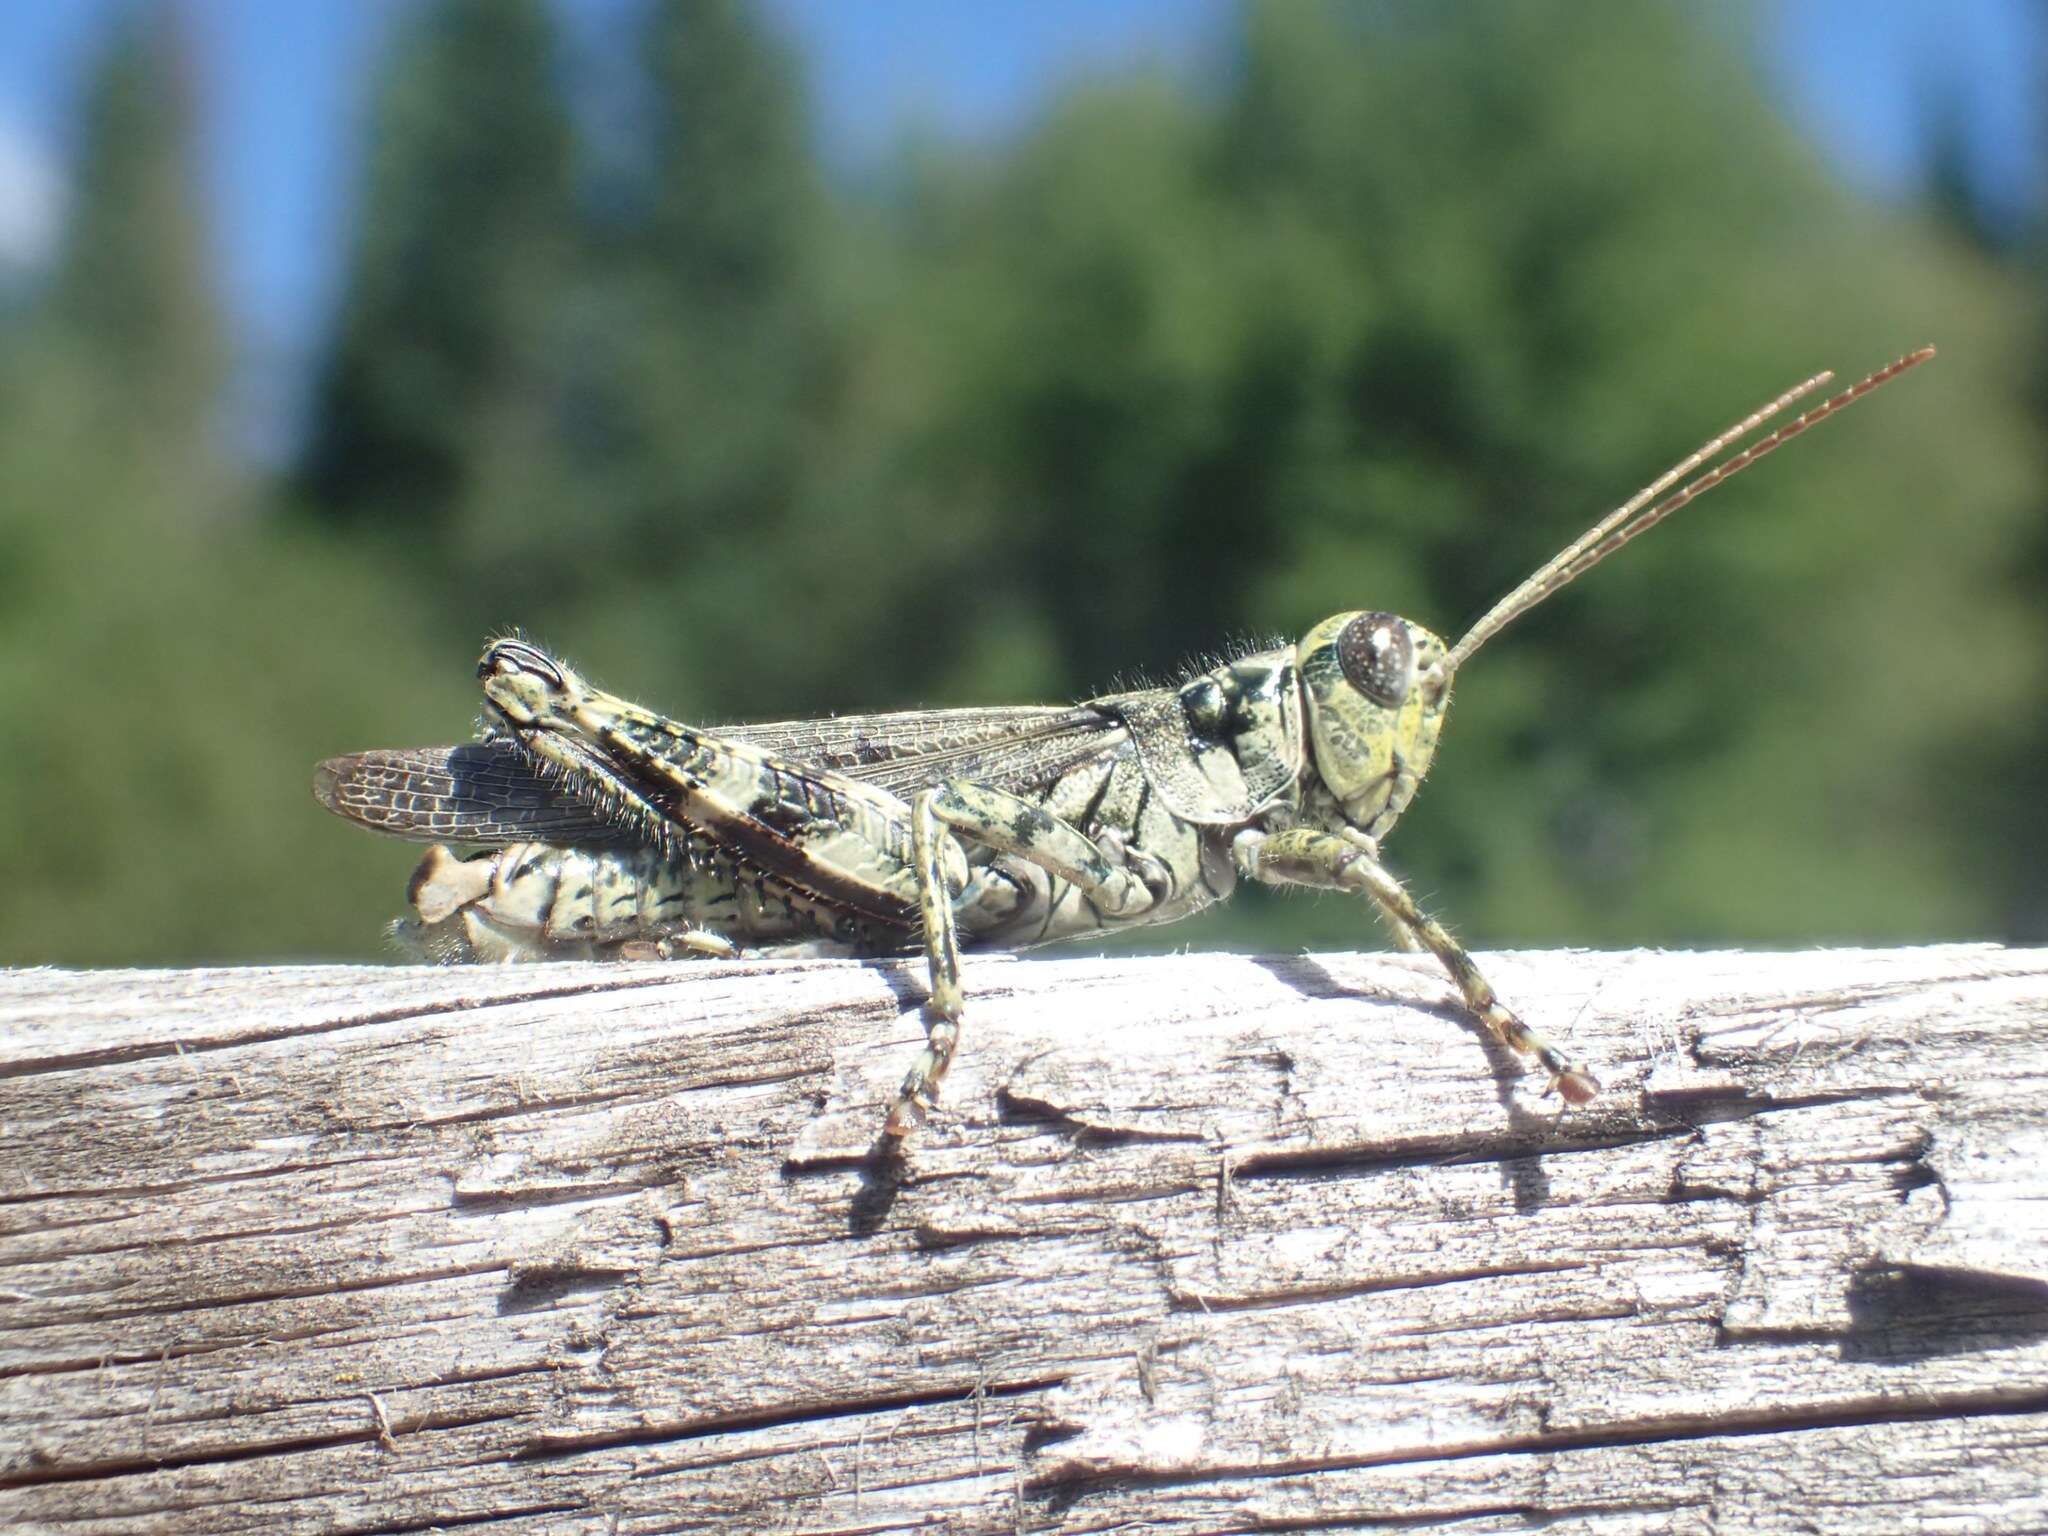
(1624, 523)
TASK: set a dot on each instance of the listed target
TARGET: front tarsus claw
(905, 1116)
(1575, 1085)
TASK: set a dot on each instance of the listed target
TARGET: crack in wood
(173, 1188)
(311, 1288)
(465, 1523)
(258, 1450)
(1197, 1301)
(1016, 1108)
(551, 1445)
(1736, 1425)
(1449, 1152)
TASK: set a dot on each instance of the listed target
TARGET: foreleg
(1302, 856)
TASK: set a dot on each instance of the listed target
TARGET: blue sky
(283, 85)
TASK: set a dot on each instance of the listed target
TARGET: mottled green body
(718, 832)
(967, 829)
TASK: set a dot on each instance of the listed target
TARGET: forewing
(486, 793)
(1016, 748)
(490, 794)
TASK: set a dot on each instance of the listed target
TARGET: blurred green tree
(2009, 834)
(132, 301)
(174, 664)
(1953, 180)
(438, 412)
(697, 433)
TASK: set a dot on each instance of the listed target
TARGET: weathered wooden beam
(1197, 1243)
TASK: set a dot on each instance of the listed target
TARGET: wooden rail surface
(1198, 1243)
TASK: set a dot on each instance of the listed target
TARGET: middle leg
(928, 844)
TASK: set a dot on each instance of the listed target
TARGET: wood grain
(1196, 1243)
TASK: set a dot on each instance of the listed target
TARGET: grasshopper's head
(543, 706)
(527, 689)
(1377, 688)
(564, 725)
(588, 742)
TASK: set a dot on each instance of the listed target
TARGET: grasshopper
(606, 830)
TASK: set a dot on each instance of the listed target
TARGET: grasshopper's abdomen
(534, 901)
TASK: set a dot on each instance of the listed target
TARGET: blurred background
(781, 356)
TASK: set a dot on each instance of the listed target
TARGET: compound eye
(1377, 657)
